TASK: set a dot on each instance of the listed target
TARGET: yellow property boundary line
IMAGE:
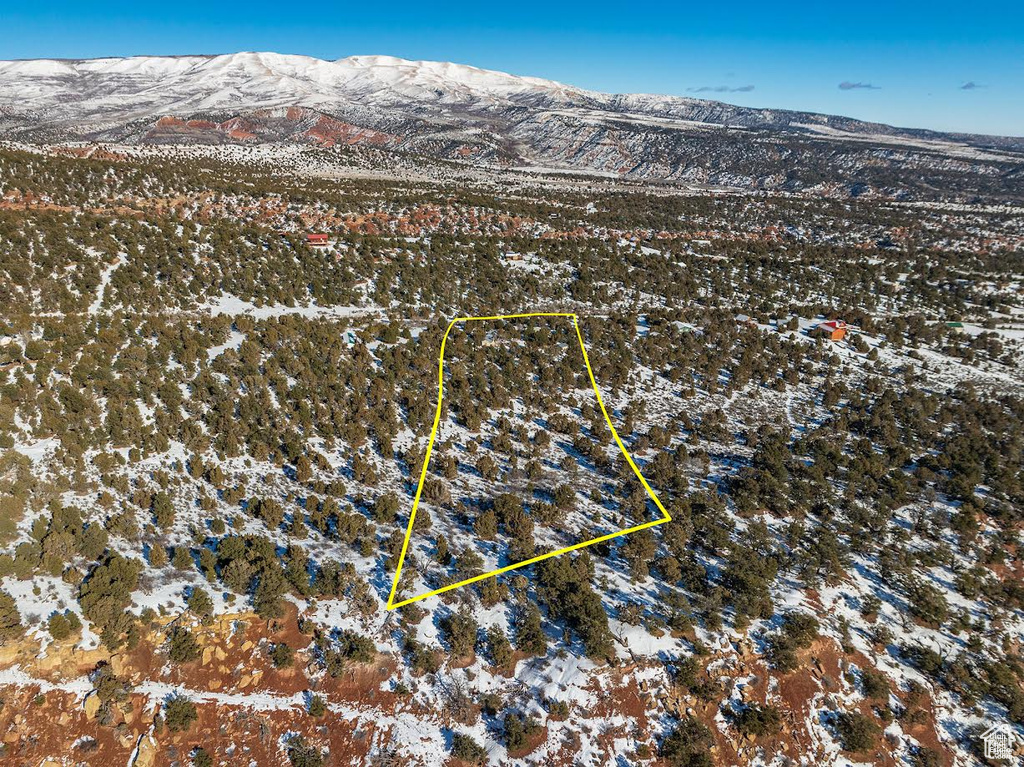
(430, 445)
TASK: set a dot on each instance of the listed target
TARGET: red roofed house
(317, 240)
(832, 329)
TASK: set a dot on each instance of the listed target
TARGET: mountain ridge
(383, 61)
(457, 111)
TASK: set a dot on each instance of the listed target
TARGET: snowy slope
(454, 111)
(77, 90)
(256, 80)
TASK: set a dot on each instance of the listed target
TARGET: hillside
(495, 120)
(211, 430)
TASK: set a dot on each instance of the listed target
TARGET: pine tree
(200, 603)
(180, 713)
(466, 749)
(163, 510)
(182, 646)
(486, 525)
(10, 618)
(460, 629)
(271, 585)
(498, 647)
(530, 636)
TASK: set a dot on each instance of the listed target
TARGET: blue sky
(901, 63)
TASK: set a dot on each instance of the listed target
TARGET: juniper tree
(530, 636)
(179, 713)
(10, 619)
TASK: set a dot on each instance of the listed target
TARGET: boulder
(118, 664)
(145, 752)
(92, 705)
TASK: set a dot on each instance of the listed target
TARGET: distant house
(834, 330)
(317, 240)
(743, 319)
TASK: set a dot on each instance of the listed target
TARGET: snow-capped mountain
(258, 80)
(461, 112)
